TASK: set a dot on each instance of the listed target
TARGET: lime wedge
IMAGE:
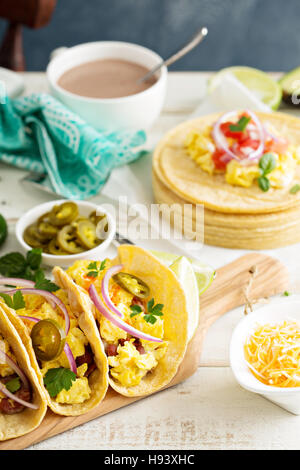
(260, 83)
(186, 276)
(203, 272)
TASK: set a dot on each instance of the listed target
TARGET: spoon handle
(196, 39)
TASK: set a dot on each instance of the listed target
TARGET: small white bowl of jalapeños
(66, 231)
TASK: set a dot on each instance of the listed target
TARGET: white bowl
(283, 309)
(85, 208)
(133, 112)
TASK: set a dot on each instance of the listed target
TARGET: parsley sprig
(16, 301)
(153, 311)
(266, 164)
(94, 270)
(58, 379)
(241, 125)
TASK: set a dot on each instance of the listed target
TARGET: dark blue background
(259, 33)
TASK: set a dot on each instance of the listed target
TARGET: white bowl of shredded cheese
(265, 353)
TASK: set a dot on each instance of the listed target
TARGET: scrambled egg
(36, 306)
(128, 366)
(200, 147)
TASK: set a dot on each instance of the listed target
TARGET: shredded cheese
(272, 353)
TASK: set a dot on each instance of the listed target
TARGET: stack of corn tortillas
(234, 216)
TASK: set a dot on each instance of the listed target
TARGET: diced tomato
(225, 128)
(249, 143)
(219, 164)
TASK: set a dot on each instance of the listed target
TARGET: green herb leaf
(135, 309)
(267, 163)
(34, 258)
(13, 385)
(44, 284)
(58, 379)
(294, 189)
(12, 265)
(95, 270)
(241, 125)
(7, 299)
(263, 183)
(153, 312)
(16, 302)
(286, 293)
(92, 265)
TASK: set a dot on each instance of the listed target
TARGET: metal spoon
(196, 39)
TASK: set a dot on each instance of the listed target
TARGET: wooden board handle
(271, 278)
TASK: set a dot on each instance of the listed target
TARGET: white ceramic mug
(133, 112)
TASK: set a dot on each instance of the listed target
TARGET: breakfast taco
(141, 311)
(23, 403)
(63, 343)
(239, 162)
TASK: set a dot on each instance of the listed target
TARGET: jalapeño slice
(132, 284)
(63, 214)
(48, 339)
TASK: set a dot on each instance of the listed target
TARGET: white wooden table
(209, 410)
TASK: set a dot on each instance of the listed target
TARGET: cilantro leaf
(16, 302)
(44, 284)
(153, 312)
(294, 189)
(92, 265)
(13, 385)
(135, 310)
(241, 125)
(94, 269)
(58, 379)
(7, 299)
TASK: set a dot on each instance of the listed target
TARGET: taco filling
(246, 151)
(131, 320)
(61, 348)
(14, 387)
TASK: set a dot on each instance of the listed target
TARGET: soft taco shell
(173, 166)
(18, 424)
(166, 289)
(248, 231)
(98, 379)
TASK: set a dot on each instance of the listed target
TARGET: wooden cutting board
(225, 293)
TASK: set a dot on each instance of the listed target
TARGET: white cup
(133, 112)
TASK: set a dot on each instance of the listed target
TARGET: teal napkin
(39, 134)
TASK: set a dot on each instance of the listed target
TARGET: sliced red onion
(6, 359)
(259, 151)
(70, 357)
(221, 142)
(67, 348)
(104, 289)
(15, 281)
(117, 321)
(48, 296)
(10, 395)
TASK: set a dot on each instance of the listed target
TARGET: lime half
(260, 83)
(203, 272)
(186, 276)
